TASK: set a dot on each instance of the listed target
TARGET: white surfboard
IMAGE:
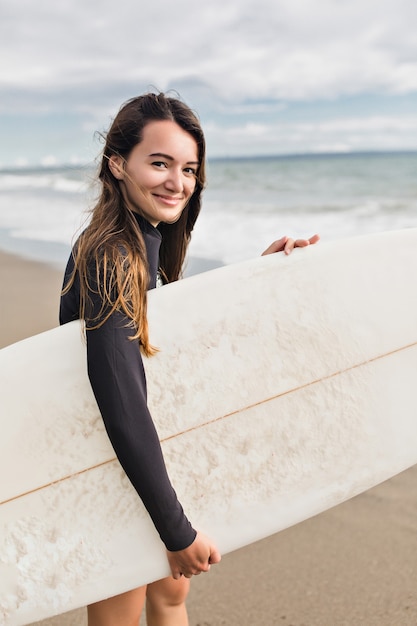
(283, 386)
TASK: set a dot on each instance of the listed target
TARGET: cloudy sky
(265, 76)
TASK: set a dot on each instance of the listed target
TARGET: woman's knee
(168, 592)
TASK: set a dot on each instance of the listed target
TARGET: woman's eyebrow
(170, 158)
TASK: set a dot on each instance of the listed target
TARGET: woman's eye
(188, 171)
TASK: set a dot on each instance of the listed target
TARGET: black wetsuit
(117, 377)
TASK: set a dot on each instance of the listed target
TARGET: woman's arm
(117, 377)
(118, 381)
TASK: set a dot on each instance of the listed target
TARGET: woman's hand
(195, 559)
(287, 245)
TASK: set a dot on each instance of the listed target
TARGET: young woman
(152, 175)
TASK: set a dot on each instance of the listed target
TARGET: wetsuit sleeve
(69, 307)
(117, 377)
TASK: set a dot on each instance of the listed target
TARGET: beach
(355, 564)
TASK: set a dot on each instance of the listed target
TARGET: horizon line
(245, 157)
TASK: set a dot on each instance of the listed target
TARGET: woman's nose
(174, 180)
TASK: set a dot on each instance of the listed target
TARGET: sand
(355, 565)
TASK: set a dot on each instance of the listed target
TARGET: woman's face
(159, 176)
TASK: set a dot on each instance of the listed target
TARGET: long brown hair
(113, 239)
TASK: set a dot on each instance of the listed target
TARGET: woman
(152, 175)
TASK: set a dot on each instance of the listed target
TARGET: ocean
(248, 203)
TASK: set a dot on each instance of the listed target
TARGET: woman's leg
(165, 602)
(122, 610)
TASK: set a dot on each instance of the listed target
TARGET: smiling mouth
(171, 200)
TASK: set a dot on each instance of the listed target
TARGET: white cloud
(246, 48)
(337, 135)
(244, 65)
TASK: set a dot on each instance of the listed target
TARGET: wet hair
(112, 242)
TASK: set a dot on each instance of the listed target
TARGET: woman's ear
(116, 165)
